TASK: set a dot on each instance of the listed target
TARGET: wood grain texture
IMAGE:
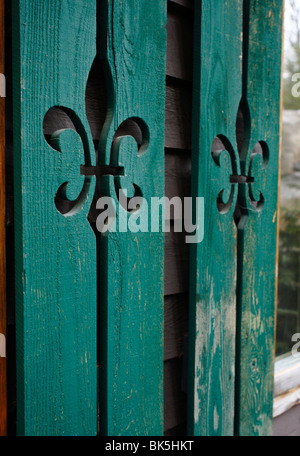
(189, 4)
(177, 119)
(284, 403)
(177, 254)
(286, 385)
(174, 397)
(176, 325)
(53, 50)
(257, 230)
(3, 386)
(178, 127)
(180, 46)
(177, 175)
(217, 94)
(286, 375)
(134, 51)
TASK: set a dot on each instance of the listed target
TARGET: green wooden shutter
(54, 48)
(3, 319)
(213, 302)
(70, 282)
(132, 263)
(57, 265)
(257, 237)
(235, 159)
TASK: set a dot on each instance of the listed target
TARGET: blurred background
(288, 315)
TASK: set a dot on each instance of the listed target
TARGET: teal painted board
(257, 237)
(217, 95)
(54, 47)
(133, 49)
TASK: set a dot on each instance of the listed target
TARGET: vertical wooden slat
(217, 94)
(3, 397)
(235, 272)
(258, 226)
(53, 50)
(133, 46)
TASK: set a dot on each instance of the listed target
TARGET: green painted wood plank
(257, 237)
(217, 95)
(133, 47)
(3, 316)
(54, 47)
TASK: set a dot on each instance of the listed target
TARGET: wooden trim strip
(216, 99)
(56, 275)
(131, 267)
(286, 385)
(257, 230)
(3, 386)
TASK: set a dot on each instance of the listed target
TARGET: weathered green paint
(257, 234)
(217, 94)
(233, 275)
(54, 47)
(131, 338)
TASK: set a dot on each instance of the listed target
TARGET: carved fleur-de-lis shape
(76, 163)
(241, 169)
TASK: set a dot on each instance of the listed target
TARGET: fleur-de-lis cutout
(127, 154)
(75, 171)
(71, 144)
(224, 157)
(258, 172)
(246, 188)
